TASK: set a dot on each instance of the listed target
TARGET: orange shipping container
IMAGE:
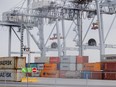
(48, 66)
(93, 66)
(82, 59)
(50, 73)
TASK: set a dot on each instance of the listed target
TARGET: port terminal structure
(38, 10)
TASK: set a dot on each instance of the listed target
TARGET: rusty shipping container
(82, 59)
(12, 62)
(109, 66)
(96, 75)
(11, 75)
(50, 73)
(110, 75)
(54, 60)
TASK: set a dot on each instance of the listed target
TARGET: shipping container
(96, 75)
(65, 66)
(12, 62)
(40, 66)
(86, 74)
(54, 60)
(73, 74)
(41, 60)
(79, 67)
(93, 66)
(50, 73)
(68, 59)
(82, 59)
(33, 65)
(48, 66)
(109, 66)
(110, 76)
(11, 75)
(109, 58)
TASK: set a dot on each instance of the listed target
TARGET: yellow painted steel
(29, 79)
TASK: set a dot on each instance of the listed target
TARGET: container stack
(68, 67)
(10, 68)
(50, 70)
(92, 70)
(110, 70)
(109, 67)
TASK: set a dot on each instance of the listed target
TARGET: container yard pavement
(52, 82)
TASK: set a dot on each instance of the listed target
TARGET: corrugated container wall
(110, 75)
(92, 66)
(96, 75)
(50, 73)
(54, 60)
(41, 60)
(79, 67)
(82, 59)
(64, 66)
(11, 75)
(12, 62)
(68, 59)
(48, 66)
(110, 66)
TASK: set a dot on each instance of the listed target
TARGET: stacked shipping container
(110, 70)
(10, 68)
(94, 70)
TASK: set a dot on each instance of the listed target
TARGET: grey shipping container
(12, 62)
(79, 67)
(41, 60)
(64, 66)
(11, 75)
(68, 59)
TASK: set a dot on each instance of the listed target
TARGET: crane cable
(110, 28)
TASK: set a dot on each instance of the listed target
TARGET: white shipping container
(12, 62)
(40, 66)
(79, 67)
(68, 59)
(11, 75)
(41, 60)
(64, 66)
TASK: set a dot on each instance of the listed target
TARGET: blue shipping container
(86, 74)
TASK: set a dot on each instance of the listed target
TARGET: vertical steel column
(101, 34)
(79, 27)
(41, 37)
(58, 36)
(9, 44)
(28, 37)
(64, 38)
(21, 43)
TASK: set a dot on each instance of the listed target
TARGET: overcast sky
(6, 5)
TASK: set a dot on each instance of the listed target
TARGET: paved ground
(48, 82)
